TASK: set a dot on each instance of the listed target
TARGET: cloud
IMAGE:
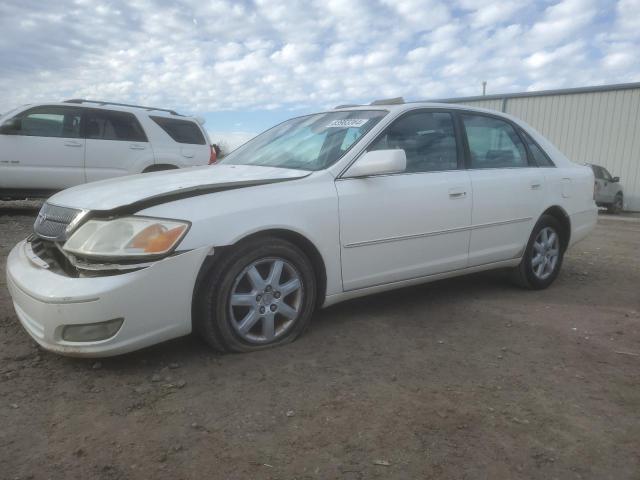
(219, 55)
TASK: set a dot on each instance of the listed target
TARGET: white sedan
(317, 210)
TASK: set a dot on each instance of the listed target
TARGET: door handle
(72, 144)
(188, 155)
(535, 186)
(137, 147)
(453, 194)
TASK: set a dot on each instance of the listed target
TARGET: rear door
(46, 153)
(116, 145)
(508, 191)
(411, 224)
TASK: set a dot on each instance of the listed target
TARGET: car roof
(118, 107)
(406, 106)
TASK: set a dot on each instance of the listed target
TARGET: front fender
(308, 207)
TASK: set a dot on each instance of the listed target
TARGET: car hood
(139, 191)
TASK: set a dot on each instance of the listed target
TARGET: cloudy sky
(247, 65)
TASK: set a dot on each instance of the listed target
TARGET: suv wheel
(543, 255)
(616, 206)
(260, 295)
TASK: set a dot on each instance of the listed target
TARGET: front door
(46, 152)
(412, 224)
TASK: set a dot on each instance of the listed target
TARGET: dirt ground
(465, 378)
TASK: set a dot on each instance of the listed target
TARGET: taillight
(214, 157)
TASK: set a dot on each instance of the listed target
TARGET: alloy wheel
(266, 300)
(546, 253)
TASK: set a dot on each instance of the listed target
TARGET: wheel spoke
(243, 299)
(548, 268)
(552, 240)
(553, 253)
(248, 321)
(540, 270)
(289, 287)
(287, 311)
(538, 247)
(275, 273)
(537, 260)
(257, 282)
(269, 326)
(544, 236)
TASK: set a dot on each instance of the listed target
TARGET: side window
(428, 139)
(597, 171)
(606, 175)
(493, 143)
(182, 131)
(110, 125)
(539, 156)
(62, 122)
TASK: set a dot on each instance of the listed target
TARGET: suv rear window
(182, 131)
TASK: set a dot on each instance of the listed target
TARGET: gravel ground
(465, 378)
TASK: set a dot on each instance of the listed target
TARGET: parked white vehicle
(314, 211)
(608, 190)
(48, 147)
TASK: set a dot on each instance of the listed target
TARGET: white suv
(48, 147)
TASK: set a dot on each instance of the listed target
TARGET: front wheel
(262, 294)
(543, 255)
(616, 206)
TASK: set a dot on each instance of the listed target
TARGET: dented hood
(154, 188)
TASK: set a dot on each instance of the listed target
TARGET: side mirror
(615, 179)
(11, 126)
(378, 162)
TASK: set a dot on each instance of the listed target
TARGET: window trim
(456, 131)
(85, 119)
(26, 112)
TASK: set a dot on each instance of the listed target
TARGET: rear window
(182, 131)
(539, 156)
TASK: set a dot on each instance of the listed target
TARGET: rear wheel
(543, 255)
(262, 294)
(616, 206)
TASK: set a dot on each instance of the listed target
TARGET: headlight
(128, 237)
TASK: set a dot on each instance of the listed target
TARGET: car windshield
(313, 142)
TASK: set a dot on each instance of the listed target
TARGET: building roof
(544, 93)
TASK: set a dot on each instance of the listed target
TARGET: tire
(616, 206)
(244, 323)
(538, 277)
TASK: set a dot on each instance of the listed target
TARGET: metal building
(598, 125)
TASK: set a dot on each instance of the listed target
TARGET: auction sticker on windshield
(348, 123)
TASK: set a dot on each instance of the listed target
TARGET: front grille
(52, 222)
(49, 253)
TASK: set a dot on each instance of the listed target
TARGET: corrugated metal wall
(597, 127)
